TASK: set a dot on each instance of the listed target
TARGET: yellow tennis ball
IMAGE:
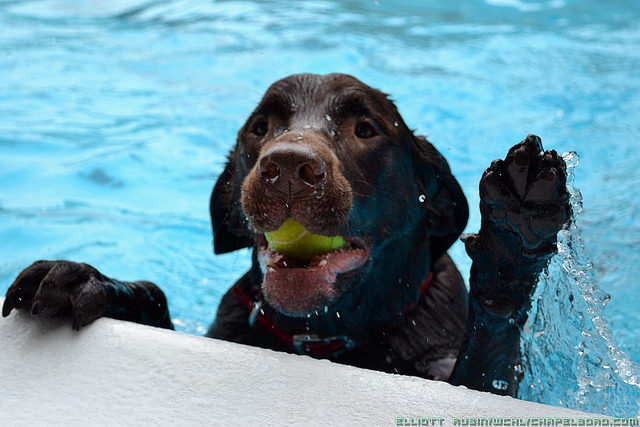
(293, 240)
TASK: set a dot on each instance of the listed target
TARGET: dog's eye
(260, 127)
(365, 130)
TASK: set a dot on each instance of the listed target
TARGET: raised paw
(59, 288)
(526, 194)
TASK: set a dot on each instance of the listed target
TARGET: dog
(335, 156)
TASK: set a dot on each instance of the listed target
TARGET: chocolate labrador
(334, 154)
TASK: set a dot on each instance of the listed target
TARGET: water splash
(570, 354)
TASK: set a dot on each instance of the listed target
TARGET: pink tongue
(298, 291)
(342, 260)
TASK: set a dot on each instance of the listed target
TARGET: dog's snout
(291, 168)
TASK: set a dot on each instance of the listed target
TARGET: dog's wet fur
(379, 183)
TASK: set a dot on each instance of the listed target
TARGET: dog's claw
(9, 303)
(78, 322)
(7, 307)
(20, 293)
(36, 308)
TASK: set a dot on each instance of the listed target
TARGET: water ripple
(571, 355)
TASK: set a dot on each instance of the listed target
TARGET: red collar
(309, 344)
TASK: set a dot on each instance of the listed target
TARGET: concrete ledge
(120, 373)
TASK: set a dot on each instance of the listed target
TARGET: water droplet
(422, 198)
(328, 117)
(511, 321)
(395, 124)
(571, 158)
(499, 384)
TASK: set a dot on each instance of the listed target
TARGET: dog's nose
(291, 168)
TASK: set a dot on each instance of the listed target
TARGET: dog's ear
(230, 227)
(445, 205)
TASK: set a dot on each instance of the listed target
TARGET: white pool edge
(120, 373)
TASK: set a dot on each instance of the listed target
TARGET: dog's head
(335, 155)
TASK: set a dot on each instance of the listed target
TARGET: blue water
(116, 117)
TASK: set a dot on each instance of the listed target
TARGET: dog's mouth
(300, 282)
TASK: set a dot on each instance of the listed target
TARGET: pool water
(116, 118)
